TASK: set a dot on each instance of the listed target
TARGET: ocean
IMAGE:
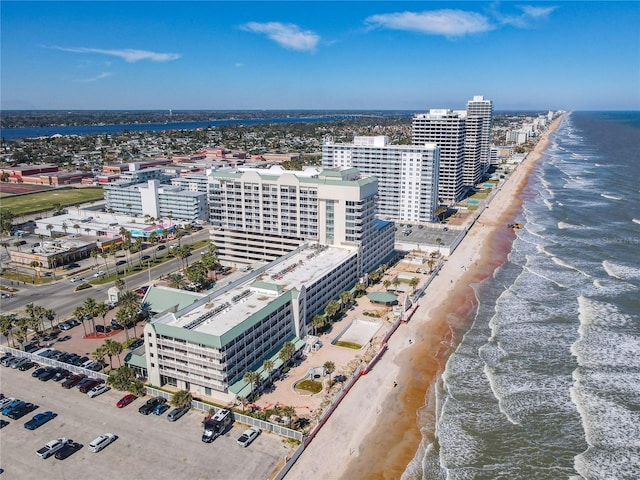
(545, 384)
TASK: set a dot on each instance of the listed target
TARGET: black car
(69, 449)
(47, 374)
(39, 371)
(61, 374)
(103, 329)
(152, 403)
(3, 423)
(21, 411)
(83, 381)
(26, 366)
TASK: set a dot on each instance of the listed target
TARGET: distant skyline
(242, 55)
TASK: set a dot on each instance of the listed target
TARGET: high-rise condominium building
(480, 111)
(446, 129)
(261, 214)
(407, 174)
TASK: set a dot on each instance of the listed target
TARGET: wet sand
(375, 433)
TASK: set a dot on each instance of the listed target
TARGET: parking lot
(147, 446)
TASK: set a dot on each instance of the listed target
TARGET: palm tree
(318, 321)
(414, 282)
(101, 310)
(176, 281)
(288, 412)
(104, 256)
(122, 316)
(99, 353)
(78, 313)
(181, 398)
(50, 228)
(251, 378)
(360, 288)
(329, 367)
(287, 352)
(395, 282)
(346, 298)
(77, 227)
(268, 366)
(90, 307)
(6, 324)
(386, 283)
(65, 227)
(113, 348)
(332, 308)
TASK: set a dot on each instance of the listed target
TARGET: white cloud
(451, 23)
(285, 34)
(529, 14)
(239, 65)
(128, 54)
(94, 79)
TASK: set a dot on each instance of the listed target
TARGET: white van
(42, 350)
(100, 442)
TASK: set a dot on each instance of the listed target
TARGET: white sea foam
(635, 220)
(621, 272)
(548, 204)
(571, 226)
(529, 269)
(565, 264)
(610, 197)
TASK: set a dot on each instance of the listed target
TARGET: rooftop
(225, 309)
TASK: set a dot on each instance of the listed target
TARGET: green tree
(181, 398)
(90, 308)
(6, 325)
(78, 314)
(176, 281)
(329, 367)
(252, 379)
(332, 308)
(318, 322)
(6, 221)
(268, 366)
(99, 353)
(101, 310)
(287, 352)
(113, 348)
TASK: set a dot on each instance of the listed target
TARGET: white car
(99, 273)
(52, 447)
(98, 390)
(248, 436)
(76, 279)
(102, 441)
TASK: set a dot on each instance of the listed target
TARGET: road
(62, 297)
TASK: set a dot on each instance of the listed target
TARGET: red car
(126, 400)
(73, 380)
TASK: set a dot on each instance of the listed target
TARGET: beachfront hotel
(464, 138)
(446, 129)
(157, 201)
(407, 174)
(258, 215)
(206, 344)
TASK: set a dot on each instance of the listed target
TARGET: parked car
(26, 366)
(36, 373)
(6, 360)
(11, 405)
(152, 403)
(61, 374)
(98, 390)
(52, 447)
(160, 409)
(21, 410)
(248, 436)
(83, 382)
(3, 423)
(176, 413)
(19, 362)
(101, 442)
(48, 374)
(39, 419)
(85, 388)
(126, 400)
(64, 326)
(5, 402)
(73, 380)
(68, 450)
(103, 329)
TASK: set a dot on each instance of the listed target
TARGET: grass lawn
(43, 201)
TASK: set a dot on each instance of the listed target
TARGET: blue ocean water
(546, 382)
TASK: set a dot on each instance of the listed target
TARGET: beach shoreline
(375, 432)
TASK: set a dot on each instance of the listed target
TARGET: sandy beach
(374, 433)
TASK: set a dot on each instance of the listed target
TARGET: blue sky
(319, 55)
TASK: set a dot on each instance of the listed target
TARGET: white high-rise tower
(481, 110)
